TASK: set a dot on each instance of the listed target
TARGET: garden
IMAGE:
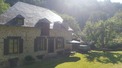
(94, 59)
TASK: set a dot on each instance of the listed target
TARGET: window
(13, 45)
(40, 44)
(44, 25)
(59, 42)
(20, 21)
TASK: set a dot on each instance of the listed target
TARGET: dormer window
(19, 20)
(44, 25)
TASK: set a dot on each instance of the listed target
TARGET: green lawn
(94, 59)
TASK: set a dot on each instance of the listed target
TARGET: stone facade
(28, 34)
(67, 35)
(29, 25)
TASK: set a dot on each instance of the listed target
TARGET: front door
(50, 44)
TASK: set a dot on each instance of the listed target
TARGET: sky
(116, 1)
(113, 0)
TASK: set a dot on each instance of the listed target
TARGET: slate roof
(31, 13)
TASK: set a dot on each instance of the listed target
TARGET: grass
(94, 59)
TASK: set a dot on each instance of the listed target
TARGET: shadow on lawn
(52, 63)
(106, 57)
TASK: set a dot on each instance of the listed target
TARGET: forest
(96, 23)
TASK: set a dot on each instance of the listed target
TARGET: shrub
(115, 46)
(39, 56)
(29, 59)
(67, 52)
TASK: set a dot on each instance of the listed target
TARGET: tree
(81, 10)
(97, 16)
(100, 33)
(70, 20)
(105, 34)
(3, 6)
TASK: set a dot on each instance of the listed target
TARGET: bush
(29, 59)
(67, 52)
(39, 56)
(115, 45)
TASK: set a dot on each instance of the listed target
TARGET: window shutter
(56, 43)
(21, 46)
(45, 42)
(63, 43)
(35, 45)
(6, 46)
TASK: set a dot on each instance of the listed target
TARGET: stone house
(31, 30)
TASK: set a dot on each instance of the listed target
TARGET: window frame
(40, 44)
(20, 21)
(59, 42)
(15, 40)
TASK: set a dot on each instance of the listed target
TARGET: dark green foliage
(104, 34)
(52, 63)
(95, 59)
(83, 48)
(3, 6)
(71, 21)
(110, 57)
(97, 16)
(29, 60)
(40, 57)
(115, 46)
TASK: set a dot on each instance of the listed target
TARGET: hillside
(81, 10)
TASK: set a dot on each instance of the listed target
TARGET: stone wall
(62, 33)
(26, 33)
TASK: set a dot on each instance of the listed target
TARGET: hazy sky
(113, 0)
(116, 1)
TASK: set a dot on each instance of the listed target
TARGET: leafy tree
(3, 6)
(97, 16)
(117, 19)
(100, 33)
(72, 23)
(105, 33)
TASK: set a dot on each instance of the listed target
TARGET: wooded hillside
(100, 22)
(81, 10)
